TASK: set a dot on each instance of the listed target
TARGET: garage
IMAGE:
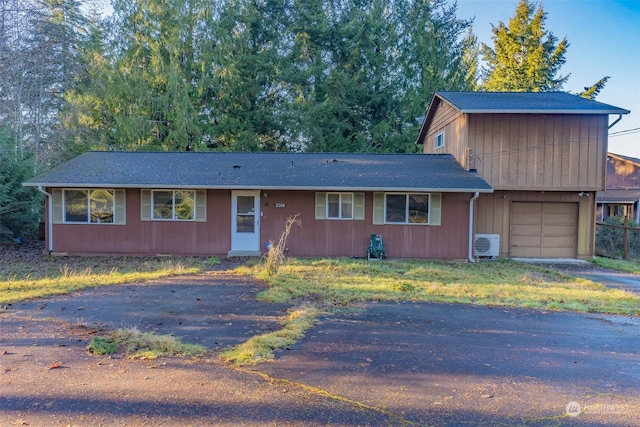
(544, 230)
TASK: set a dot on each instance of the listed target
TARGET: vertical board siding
(325, 238)
(151, 237)
(493, 216)
(537, 152)
(454, 125)
(350, 238)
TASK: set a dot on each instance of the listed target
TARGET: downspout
(50, 217)
(473, 199)
(616, 121)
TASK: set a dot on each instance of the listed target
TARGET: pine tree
(525, 57)
(590, 92)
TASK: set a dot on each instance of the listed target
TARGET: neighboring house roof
(625, 158)
(264, 170)
(618, 196)
(526, 103)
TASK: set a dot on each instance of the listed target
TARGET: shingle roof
(293, 171)
(625, 158)
(618, 196)
(526, 102)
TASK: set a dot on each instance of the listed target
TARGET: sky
(604, 40)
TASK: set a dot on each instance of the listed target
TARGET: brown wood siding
(151, 237)
(454, 125)
(538, 152)
(322, 238)
(347, 238)
(494, 216)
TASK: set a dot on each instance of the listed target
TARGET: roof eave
(540, 111)
(260, 187)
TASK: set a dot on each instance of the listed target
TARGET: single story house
(233, 204)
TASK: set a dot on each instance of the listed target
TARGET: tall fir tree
(525, 56)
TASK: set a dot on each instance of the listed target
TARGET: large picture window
(174, 205)
(89, 206)
(412, 208)
(407, 208)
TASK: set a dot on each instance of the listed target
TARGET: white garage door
(544, 230)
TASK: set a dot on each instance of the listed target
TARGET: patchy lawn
(333, 285)
(338, 283)
(27, 274)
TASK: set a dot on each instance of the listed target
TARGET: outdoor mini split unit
(486, 245)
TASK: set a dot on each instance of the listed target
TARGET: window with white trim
(177, 205)
(340, 206)
(173, 205)
(407, 208)
(439, 141)
(88, 206)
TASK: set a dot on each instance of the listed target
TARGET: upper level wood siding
(525, 151)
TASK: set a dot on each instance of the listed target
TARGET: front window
(173, 205)
(88, 206)
(340, 205)
(412, 208)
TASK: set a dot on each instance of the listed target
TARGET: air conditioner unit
(486, 245)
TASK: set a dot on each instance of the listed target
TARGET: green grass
(617, 264)
(336, 285)
(48, 276)
(261, 347)
(139, 345)
(339, 283)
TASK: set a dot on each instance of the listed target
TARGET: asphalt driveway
(391, 364)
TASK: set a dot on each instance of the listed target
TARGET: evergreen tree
(20, 207)
(247, 93)
(525, 57)
(590, 92)
(470, 55)
(432, 52)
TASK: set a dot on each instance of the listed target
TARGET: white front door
(245, 223)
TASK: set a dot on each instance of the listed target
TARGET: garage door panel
(528, 252)
(544, 230)
(524, 241)
(528, 229)
(559, 219)
(559, 208)
(558, 252)
(560, 242)
(528, 219)
(560, 230)
(521, 208)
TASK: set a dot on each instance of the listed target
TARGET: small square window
(340, 205)
(439, 141)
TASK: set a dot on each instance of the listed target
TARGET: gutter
(50, 217)
(473, 199)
